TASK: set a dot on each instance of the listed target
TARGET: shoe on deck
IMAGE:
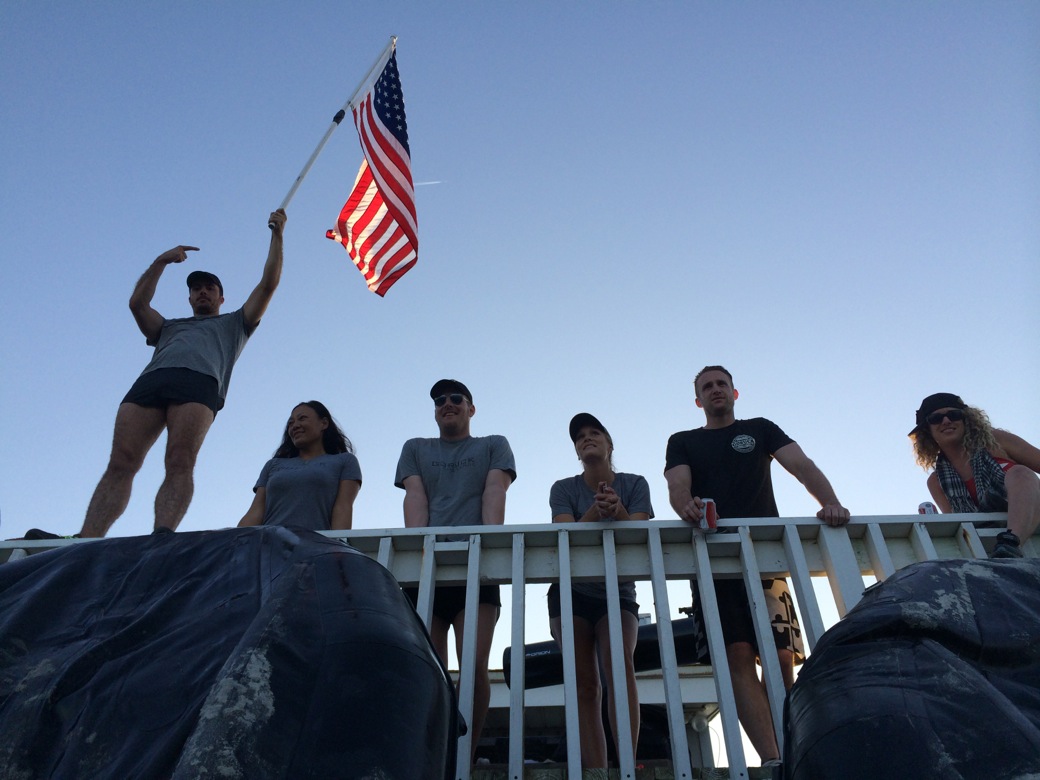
(35, 534)
(1007, 546)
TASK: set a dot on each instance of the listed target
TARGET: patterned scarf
(989, 484)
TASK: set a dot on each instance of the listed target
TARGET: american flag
(377, 225)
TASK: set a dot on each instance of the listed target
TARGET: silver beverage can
(927, 508)
(710, 516)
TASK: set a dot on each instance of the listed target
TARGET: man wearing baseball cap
(183, 386)
(454, 480)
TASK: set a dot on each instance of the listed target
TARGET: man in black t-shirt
(729, 460)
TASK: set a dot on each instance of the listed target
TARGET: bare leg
(136, 429)
(1023, 489)
(752, 702)
(487, 617)
(186, 428)
(591, 736)
(439, 638)
(629, 635)
(786, 667)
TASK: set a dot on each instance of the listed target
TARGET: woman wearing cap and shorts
(313, 478)
(598, 494)
(978, 468)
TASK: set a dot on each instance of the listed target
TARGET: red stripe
(373, 236)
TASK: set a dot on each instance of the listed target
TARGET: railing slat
(922, 543)
(877, 551)
(720, 665)
(517, 666)
(467, 663)
(427, 583)
(805, 593)
(386, 552)
(570, 683)
(771, 673)
(843, 573)
(970, 543)
(681, 768)
(619, 681)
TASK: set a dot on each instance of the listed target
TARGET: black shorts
(586, 607)
(450, 600)
(735, 615)
(166, 386)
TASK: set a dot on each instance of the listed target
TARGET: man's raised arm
(148, 319)
(256, 303)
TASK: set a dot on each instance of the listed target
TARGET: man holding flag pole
(180, 390)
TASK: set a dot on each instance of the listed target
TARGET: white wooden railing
(802, 549)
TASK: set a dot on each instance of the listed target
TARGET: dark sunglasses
(455, 398)
(954, 415)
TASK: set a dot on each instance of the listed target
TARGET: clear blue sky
(839, 202)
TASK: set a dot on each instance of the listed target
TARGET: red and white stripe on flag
(378, 225)
(377, 244)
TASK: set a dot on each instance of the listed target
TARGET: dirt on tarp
(934, 674)
(245, 653)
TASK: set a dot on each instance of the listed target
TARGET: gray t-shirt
(454, 473)
(301, 493)
(572, 496)
(209, 345)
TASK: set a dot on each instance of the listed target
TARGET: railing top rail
(625, 532)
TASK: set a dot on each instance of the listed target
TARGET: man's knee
(126, 458)
(181, 458)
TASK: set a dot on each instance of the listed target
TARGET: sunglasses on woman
(455, 398)
(954, 415)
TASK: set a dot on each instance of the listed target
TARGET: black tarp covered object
(934, 674)
(246, 653)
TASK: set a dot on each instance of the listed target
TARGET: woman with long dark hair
(313, 478)
(978, 468)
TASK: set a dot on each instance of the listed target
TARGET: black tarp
(246, 653)
(934, 674)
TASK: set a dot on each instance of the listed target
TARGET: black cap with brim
(936, 401)
(585, 420)
(204, 277)
(445, 386)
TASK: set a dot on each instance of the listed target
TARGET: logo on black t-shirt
(743, 443)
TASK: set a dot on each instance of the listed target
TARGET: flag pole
(335, 123)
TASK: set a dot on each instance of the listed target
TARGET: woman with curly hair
(978, 468)
(313, 478)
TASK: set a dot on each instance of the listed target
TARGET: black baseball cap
(204, 277)
(445, 386)
(937, 401)
(585, 420)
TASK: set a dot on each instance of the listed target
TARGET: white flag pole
(335, 123)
